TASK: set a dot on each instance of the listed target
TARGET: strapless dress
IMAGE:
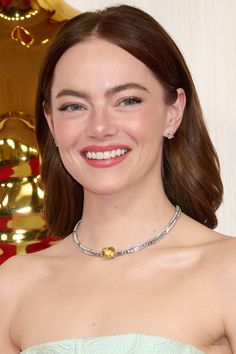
(130, 343)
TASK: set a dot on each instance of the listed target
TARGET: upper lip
(102, 148)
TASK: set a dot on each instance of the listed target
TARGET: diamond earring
(170, 136)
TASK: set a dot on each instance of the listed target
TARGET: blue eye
(130, 101)
(71, 107)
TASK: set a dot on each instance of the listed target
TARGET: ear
(175, 114)
(48, 116)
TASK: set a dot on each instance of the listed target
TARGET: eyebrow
(109, 92)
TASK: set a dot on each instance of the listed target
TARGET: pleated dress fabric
(134, 343)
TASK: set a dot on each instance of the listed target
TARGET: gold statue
(25, 30)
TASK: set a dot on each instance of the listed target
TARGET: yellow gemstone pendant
(108, 252)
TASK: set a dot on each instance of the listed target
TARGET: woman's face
(108, 117)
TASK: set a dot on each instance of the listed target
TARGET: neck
(125, 219)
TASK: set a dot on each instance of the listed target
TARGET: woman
(124, 149)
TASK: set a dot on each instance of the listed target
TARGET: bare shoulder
(18, 276)
(220, 254)
(194, 233)
(13, 281)
(9, 272)
(219, 249)
(216, 251)
(21, 273)
(222, 248)
(223, 255)
(17, 273)
(215, 256)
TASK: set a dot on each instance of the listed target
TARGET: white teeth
(107, 155)
(99, 155)
(113, 153)
(91, 155)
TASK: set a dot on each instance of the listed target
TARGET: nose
(101, 125)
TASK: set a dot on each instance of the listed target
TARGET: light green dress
(133, 343)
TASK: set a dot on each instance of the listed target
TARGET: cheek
(66, 133)
(147, 127)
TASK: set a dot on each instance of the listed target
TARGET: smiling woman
(155, 50)
(108, 116)
(132, 179)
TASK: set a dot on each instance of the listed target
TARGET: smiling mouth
(105, 155)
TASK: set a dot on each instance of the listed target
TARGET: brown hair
(190, 167)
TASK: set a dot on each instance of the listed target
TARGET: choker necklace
(110, 252)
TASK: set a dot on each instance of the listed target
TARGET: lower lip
(105, 163)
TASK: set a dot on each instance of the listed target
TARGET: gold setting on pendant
(108, 252)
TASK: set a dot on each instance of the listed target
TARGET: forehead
(97, 60)
(95, 51)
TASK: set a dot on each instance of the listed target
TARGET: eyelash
(131, 100)
(69, 108)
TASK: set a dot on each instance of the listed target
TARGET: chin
(103, 190)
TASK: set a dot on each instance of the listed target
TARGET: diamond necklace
(110, 252)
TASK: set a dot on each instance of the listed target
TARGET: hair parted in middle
(190, 166)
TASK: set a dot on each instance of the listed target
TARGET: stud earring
(170, 136)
